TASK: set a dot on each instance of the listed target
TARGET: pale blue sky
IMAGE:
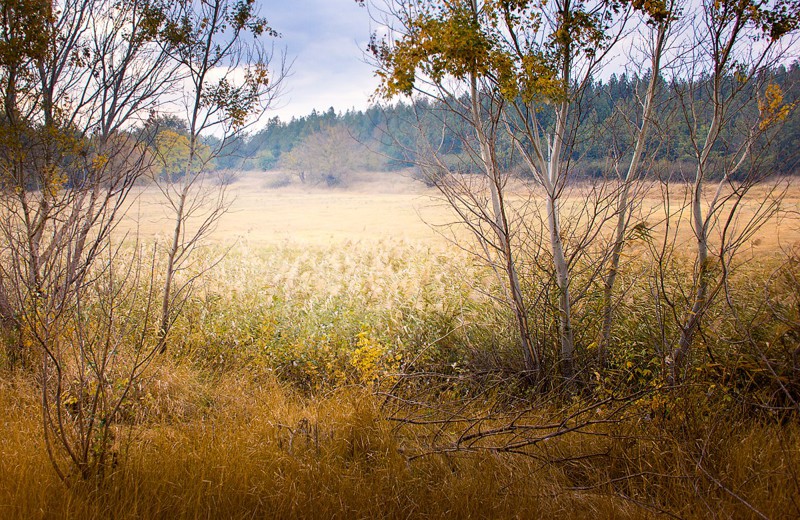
(326, 40)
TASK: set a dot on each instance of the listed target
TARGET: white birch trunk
(623, 204)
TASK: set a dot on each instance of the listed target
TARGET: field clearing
(379, 206)
(374, 209)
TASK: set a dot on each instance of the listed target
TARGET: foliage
(327, 156)
(172, 151)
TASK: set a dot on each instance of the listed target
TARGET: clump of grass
(277, 180)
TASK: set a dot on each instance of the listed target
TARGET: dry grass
(390, 205)
(273, 453)
(382, 206)
(263, 408)
(256, 450)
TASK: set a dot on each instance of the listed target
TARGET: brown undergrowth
(233, 447)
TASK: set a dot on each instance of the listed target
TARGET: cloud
(325, 41)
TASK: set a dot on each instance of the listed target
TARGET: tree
(328, 156)
(516, 71)
(216, 45)
(659, 30)
(172, 152)
(75, 75)
(722, 73)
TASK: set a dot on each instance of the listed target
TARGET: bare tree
(86, 70)
(722, 78)
(658, 30)
(228, 85)
(546, 147)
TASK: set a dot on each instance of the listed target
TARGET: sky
(324, 41)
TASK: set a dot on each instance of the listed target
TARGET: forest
(389, 131)
(508, 289)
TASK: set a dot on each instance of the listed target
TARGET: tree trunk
(562, 281)
(555, 180)
(623, 207)
(692, 320)
(170, 273)
(501, 228)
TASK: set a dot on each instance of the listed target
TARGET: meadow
(341, 358)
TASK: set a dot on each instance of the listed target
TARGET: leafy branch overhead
(208, 35)
(521, 45)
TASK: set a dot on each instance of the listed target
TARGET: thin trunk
(9, 319)
(532, 360)
(175, 246)
(721, 54)
(692, 321)
(501, 227)
(623, 207)
(555, 173)
(555, 176)
(170, 273)
(562, 280)
(188, 181)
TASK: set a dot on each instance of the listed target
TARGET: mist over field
(274, 207)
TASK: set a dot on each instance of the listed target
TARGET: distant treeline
(398, 135)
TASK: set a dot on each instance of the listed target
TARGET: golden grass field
(377, 206)
(266, 405)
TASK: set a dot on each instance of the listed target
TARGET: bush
(277, 180)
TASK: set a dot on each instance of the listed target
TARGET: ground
(380, 205)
